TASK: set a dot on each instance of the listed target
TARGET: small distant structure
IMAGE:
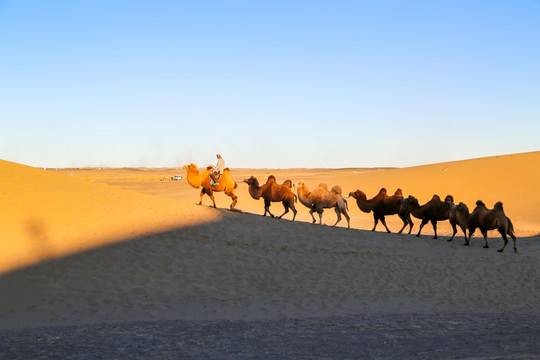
(172, 178)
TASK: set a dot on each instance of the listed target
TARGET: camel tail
(235, 185)
(346, 204)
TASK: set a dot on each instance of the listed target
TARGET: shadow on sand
(246, 268)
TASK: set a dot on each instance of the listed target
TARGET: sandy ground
(95, 245)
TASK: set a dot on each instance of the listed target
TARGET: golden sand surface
(91, 245)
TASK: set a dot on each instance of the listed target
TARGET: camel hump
(480, 203)
(337, 189)
(287, 183)
(227, 169)
(449, 198)
(398, 192)
(382, 191)
(323, 185)
(209, 167)
(271, 178)
(498, 205)
(436, 197)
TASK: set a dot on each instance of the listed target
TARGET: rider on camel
(215, 175)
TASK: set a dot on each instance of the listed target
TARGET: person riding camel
(215, 175)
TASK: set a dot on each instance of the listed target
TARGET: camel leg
(471, 232)
(294, 211)
(338, 213)
(434, 224)
(267, 208)
(411, 224)
(464, 232)
(234, 199)
(210, 193)
(511, 233)
(403, 218)
(286, 209)
(505, 238)
(484, 232)
(383, 221)
(202, 194)
(454, 229)
(213, 200)
(320, 210)
(311, 211)
(348, 218)
(376, 219)
(424, 222)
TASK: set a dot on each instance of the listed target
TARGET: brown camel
(321, 198)
(486, 219)
(273, 192)
(226, 183)
(434, 210)
(459, 215)
(382, 205)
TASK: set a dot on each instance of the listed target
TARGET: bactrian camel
(226, 183)
(459, 215)
(486, 219)
(321, 198)
(273, 192)
(434, 210)
(382, 205)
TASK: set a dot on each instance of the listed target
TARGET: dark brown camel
(459, 215)
(383, 205)
(434, 210)
(486, 219)
(273, 192)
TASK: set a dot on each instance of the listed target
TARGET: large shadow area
(254, 287)
(367, 336)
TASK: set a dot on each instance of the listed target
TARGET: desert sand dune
(91, 245)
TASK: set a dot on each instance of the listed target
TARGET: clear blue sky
(272, 84)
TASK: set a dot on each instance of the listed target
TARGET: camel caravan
(380, 205)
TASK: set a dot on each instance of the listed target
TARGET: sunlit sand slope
(44, 214)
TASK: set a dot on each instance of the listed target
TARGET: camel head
(252, 181)
(301, 185)
(191, 167)
(358, 194)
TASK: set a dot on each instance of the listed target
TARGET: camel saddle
(216, 175)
